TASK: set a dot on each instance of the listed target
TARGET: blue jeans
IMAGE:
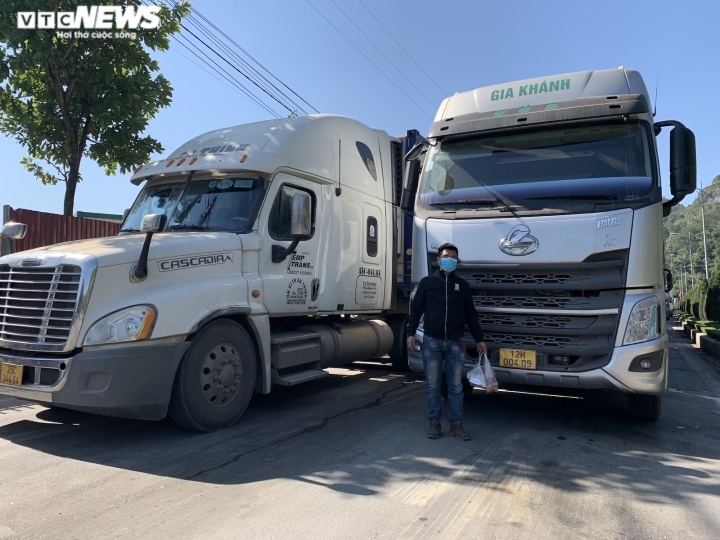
(437, 352)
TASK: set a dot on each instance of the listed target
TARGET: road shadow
(356, 431)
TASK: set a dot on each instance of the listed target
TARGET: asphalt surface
(346, 457)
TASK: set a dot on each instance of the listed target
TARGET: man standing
(446, 301)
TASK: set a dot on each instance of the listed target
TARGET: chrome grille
(516, 279)
(524, 302)
(559, 342)
(37, 305)
(523, 321)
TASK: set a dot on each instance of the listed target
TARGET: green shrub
(712, 306)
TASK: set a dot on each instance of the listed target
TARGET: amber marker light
(169, 162)
(181, 161)
(256, 294)
(243, 158)
(138, 169)
(193, 160)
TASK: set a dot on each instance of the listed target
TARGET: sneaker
(456, 429)
(433, 431)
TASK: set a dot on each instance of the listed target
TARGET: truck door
(290, 286)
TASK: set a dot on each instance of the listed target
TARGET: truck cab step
(297, 377)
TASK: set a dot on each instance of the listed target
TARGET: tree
(65, 97)
(713, 294)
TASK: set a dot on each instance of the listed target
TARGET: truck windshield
(537, 169)
(212, 204)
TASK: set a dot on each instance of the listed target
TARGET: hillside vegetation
(685, 254)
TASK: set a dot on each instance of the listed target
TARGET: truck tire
(398, 353)
(645, 407)
(216, 378)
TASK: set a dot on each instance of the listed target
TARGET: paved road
(346, 457)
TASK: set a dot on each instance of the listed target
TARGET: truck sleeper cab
(551, 190)
(253, 256)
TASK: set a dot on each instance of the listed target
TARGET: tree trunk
(71, 184)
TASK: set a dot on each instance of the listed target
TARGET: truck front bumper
(622, 373)
(126, 382)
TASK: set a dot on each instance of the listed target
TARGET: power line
(257, 79)
(403, 48)
(368, 59)
(433, 104)
(254, 60)
(235, 68)
(219, 69)
(227, 76)
(252, 72)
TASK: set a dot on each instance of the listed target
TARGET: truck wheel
(645, 407)
(216, 378)
(398, 353)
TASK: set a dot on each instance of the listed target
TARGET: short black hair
(448, 245)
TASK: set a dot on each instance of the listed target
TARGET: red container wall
(44, 229)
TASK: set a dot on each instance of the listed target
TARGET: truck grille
(567, 313)
(37, 305)
(517, 278)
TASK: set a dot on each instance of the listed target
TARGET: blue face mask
(448, 264)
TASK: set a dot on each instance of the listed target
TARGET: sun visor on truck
(585, 94)
(582, 108)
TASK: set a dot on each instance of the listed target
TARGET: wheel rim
(221, 375)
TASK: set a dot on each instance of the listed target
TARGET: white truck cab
(254, 255)
(550, 188)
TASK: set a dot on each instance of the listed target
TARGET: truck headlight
(129, 324)
(644, 322)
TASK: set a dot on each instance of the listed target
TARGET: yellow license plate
(517, 358)
(11, 374)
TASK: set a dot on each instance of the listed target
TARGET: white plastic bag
(476, 377)
(491, 384)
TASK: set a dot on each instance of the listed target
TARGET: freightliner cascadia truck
(551, 190)
(253, 256)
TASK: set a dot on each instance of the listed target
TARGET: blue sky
(461, 45)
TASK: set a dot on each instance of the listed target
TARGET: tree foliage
(68, 98)
(683, 236)
(713, 295)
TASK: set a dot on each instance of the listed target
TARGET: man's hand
(482, 348)
(411, 343)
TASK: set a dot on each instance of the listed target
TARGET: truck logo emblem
(28, 261)
(519, 242)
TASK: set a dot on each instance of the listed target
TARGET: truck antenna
(657, 83)
(338, 190)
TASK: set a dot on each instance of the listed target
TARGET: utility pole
(692, 279)
(702, 213)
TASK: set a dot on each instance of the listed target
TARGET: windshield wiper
(129, 230)
(475, 202)
(599, 197)
(189, 228)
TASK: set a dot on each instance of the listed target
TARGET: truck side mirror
(668, 280)
(14, 231)
(683, 163)
(125, 214)
(11, 232)
(300, 226)
(410, 186)
(150, 224)
(153, 223)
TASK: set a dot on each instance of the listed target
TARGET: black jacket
(448, 306)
